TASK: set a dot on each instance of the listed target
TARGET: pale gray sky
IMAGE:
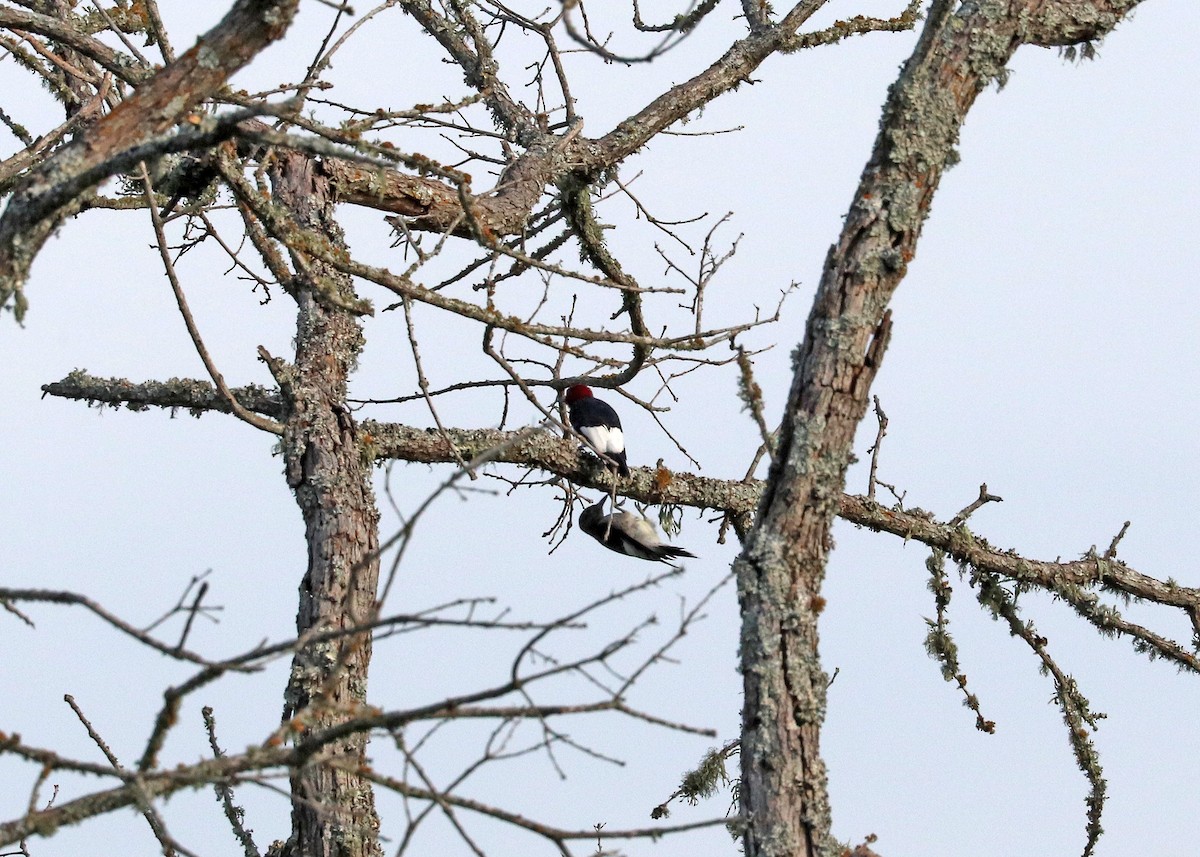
(1045, 342)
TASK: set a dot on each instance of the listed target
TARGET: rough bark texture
(563, 457)
(56, 189)
(781, 570)
(63, 31)
(551, 158)
(964, 47)
(333, 809)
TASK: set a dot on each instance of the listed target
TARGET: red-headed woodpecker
(627, 533)
(599, 423)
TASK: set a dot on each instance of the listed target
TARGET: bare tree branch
(49, 193)
(562, 457)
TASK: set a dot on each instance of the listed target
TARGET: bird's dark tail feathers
(619, 459)
(665, 551)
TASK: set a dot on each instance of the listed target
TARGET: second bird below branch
(563, 457)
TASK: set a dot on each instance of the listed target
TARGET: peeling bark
(333, 809)
(964, 47)
(782, 568)
(57, 188)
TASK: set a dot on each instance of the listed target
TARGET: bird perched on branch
(599, 423)
(627, 533)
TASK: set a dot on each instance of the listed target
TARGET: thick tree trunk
(781, 570)
(333, 809)
(962, 49)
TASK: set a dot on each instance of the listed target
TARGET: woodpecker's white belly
(604, 438)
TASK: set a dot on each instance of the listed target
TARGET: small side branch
(164, 253)
(978, 503)
(874, 450)
(1076, 710)
(169, 846)
(234, 814)
(196, 397)
(561, 457)
(58, 597)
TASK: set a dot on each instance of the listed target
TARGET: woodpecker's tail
(622, 464)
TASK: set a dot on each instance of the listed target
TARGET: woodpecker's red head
(579, 391)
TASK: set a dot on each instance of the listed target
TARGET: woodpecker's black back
(593, 412)
(596, 421)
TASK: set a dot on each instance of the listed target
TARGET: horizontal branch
(195, 396)
(231, 770)
(57, 597)
(554, 834)
(389, 190)
(137, 785)
(504, 211)
(564, 458)
(966, 548)
(647, 485)
(560, 457)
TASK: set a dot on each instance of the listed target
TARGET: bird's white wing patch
(640, 529)
(639, 538)
(604, 438)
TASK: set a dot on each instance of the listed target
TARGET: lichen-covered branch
(549, 158)
(961, 50)
(1069, 22)
(40, 202)
(177, 393)
(1073, 581)
(122, 65)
